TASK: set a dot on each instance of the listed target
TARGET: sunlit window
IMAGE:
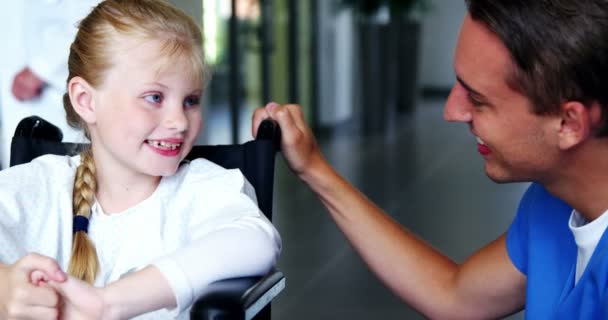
(215, 15)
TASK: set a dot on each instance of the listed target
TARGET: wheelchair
(230, 299)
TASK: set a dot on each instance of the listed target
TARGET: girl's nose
(176, 119)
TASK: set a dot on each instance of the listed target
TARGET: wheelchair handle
(37, 128)
(270, 130)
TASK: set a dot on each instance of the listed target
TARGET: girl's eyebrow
(156, 84)
(197, 90)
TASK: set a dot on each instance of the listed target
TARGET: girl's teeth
(480, 141)
(164, 145)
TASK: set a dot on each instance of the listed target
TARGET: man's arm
(487, 285)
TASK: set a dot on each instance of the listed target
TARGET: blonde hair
(91, 57)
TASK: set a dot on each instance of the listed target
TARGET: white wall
(439, 32)
(335, 65)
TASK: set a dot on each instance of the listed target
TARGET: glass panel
(252, 44)
(216, 29)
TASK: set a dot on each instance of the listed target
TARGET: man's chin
(497, 175)
(504, 177)
(499, 180)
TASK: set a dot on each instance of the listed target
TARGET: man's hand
(27, 85)
(20, 298)
(298, 145)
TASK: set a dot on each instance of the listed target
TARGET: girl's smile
(169, 147)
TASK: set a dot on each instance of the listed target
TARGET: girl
(147, 232)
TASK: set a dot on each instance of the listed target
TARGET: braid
(84, 264)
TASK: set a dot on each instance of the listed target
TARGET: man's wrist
(318, 174)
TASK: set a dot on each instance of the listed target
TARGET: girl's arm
(236, 242)
(228, 235)
(245, 247)
(240, 248)
(138, 293)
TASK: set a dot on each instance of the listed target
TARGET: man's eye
(474, 101)
(154, 98)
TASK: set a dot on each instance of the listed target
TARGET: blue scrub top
(542, 247)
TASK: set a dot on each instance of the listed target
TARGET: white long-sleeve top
(200, 225)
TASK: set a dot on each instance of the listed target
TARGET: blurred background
(372, 77)
(353, 65)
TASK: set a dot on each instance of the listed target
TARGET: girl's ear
(81, 96)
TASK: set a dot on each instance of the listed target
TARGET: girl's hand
(22, 299)
(80, 300)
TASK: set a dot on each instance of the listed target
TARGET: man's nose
(457, 108)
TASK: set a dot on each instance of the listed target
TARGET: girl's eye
(154, 98)
(192, 101)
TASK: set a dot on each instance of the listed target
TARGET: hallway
(427, 174)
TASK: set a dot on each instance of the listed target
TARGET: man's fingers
(295, 110)
(290, 132)
(290, 119)
(297, 116)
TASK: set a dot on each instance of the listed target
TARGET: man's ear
(81, 97)
(578, 123)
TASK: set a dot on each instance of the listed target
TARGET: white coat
(37, 34)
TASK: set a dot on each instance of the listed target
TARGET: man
(531, 79)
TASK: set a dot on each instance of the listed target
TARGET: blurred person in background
(36, 37)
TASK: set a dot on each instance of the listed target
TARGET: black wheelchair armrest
(238, 298)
